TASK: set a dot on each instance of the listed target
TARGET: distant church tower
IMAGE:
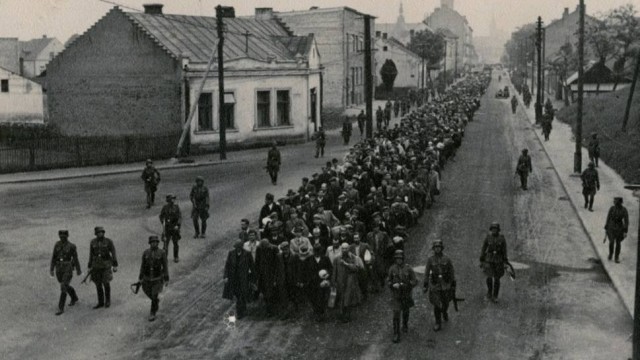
(447, 3)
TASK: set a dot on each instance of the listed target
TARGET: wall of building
(409, 66)
(9, 54)
(33, 68)
(245, 90)
(564, 30)
(23, 102)
(446, 18)
(113, 80)
(334, 31)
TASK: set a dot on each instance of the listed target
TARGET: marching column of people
(342, 236)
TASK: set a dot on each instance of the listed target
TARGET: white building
(21, 99)
(408, 64)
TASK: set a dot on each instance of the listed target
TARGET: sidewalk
(560, 149)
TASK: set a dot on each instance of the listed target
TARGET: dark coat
(401, 298)
(590, 181)
(273, 159)
(345, 279)
(64, 261)
(265, 211)
(493, 255)
(270, 272)
(617, 222)
(239, 272)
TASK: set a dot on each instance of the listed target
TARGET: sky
(27, 19)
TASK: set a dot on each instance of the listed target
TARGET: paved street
(561, 306)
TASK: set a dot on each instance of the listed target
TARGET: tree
(388, 73)
(624, 27)
(565, 61)
(428, 45)
(600, 38)
(517, 51)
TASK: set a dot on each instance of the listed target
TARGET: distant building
(35, 55)
(400, 30)
(564, 30)
(450, 61)
(21, 99)
(491, 48)
(138, 74)
(597, 78)
(445, 17)
(340, 35)
(408, 64)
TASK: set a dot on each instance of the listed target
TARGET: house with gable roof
(138, 74)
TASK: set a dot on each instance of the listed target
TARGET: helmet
(494, 225)
(437, 243)
(398, 254)
(153, 238)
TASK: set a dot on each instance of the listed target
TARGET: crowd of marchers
(341, 236)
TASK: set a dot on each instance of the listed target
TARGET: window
(229, 110)
(264, 108)
(284, 107)
(51, 55)
(4, 85)
(205, 112)
(384, 48)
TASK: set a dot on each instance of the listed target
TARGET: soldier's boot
(405, 320)
(611, 245)
(437, 313)
(100, 292)
(176, 249)
(489, 288)
(203, 229)
(618, 246)
(496, 290)
(107, 295)
(396, 329)
(74, 297)
(61, 302)
(196, 227)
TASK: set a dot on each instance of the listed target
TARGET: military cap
(298, 230)
(436, 243)
(98, 229)
(63, 232)
(398, 254)
(153, 238)
(494, 225)
(618, 199)
(199, 178)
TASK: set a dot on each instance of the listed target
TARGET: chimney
(264, 13)
(378, 34)
(565, 13)
(44, 36)
(384, 36)
(153, 9)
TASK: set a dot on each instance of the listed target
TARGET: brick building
(561, 31)
(340, 35)
(138, 74)
(446, 17)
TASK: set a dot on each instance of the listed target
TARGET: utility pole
(455, 68)
(538, 105)
(444, 73)
(631, 91)
(577, 156)
(368, 80)
(223, 125)
(533, 64)
(544, 61)
(636, 307)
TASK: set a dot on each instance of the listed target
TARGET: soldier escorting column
(616, 227)
(321, 139)
(524, 168)
(590, 185)
(102, 264)
(63, 262)
(440, 282)
(273, 162)
(151, 178)
(493, 258)
(401, 280)
(154, 273)
(171, 220)
(200, 200)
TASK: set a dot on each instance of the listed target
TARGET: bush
(11, 132)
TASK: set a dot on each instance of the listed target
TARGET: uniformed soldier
(493, 258)
(200, 213)
(273, 162)
(440, 282)
(102, 264)
(401, 280)
(151, 178)
(347, 129)
(362, 118)
(171, 220)
(594, 148)
(616, 227)
(321, 140)
(524, 168)
(514, 104)
(154, 273)
(590, 184)
(64, 261)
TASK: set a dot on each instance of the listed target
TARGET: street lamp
(636, 307)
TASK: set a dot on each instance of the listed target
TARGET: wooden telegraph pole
(577, 156)
(368, 79)
(538, 105)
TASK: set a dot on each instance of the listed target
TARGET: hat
(63, 232)
(170, 197)
(344, 246)
(269, 196)
(494, 225)
(317, 217)
(291, 193)
(313, 194)
(436, 243)
(199, 178)
(305, 179)
(398, 254)
(153, 238)
(397, 239)
(298, 230)
(618, 199)
(525, 150)
(376, 214)
(98, 229)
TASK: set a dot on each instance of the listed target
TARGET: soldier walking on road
(154, 273)
(63, 262)
(546, 127)
(514, 104)
(200, 200)
(102, 264)
(273, 162)
(171, 220)
(590, 184)
(321, 140)
(524, 168)
(151, 178)
(361, 120)
(440, 282)
(401, 280)
(594, 148)
(347, 129)
(493, 258)
(616, 227)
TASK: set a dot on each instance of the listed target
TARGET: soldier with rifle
(401, 280)
(493, 258)
(102, 264)
(63, 262)
(154, 274)
(151, 178)
(321, 140)
(171, 220)
(440, 282)
(514, 104)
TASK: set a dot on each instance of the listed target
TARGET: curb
(614, 281)
(117, 172)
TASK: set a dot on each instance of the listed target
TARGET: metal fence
(61, 152)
